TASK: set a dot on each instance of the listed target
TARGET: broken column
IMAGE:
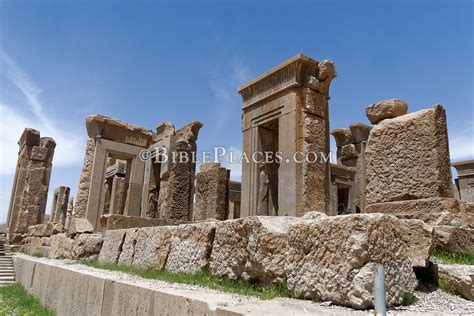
(235, 189)
(286, 110)
(178, 191)
(212, 192)
(59, 205)
(31, 182)
(407, 161)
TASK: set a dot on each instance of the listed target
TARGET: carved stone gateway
(31, 182)
(465, 180)
(286, 110)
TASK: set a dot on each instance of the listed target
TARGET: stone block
(386, 109)
(128, 247)
(418, 238)
(461, 277)
(454, 239)
(112, 246)
(407, 158)
(152, 247)
(116, 221)
(343, 136)
(191, 246)
(80, 225)
(212, 192)
(252, 248)
(334, 259)
(86, 245)
(348, 152)
(61, 246)
(360, 132)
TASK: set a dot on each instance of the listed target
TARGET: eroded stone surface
(418, 238)
(80, 225)
(407, 158)
(386, 109)
(112, 246)
(86, 245)
(212, 193)
(461, 277)
(251, 248)
(454, 239)
(128, 247)
(191, 246)
(152, 247)
(61, 246)
(334, 259)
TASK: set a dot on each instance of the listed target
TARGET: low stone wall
(80, 290)
(320, 258)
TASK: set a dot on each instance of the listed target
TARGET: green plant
(443, 256)
(446, 286)
(203, 278)
(409, 298)
(14, 300)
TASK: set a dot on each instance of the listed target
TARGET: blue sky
(148, 62)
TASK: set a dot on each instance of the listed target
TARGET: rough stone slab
(61, 246)
(454, 239)
(86, 245)
(435, 211)
(41, 230)
(152, 247)
(112, 246)
(459, 276)
(334, 259)
(407, 158)
(191, 246)
(251, 248)
(80, 225)
(128, 247)
(418, 238)
(386, 109)
(116, 221)
(212, 192)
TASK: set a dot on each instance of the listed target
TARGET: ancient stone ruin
(321, 229)
(31, 182)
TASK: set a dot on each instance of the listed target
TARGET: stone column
(178, 189)
(60, 205)
(30, 191)
(212, 192)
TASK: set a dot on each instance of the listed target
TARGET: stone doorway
(269, 139)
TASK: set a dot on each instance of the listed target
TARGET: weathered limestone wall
(212, 192)
(274, 249)
(59, 205)
(407, 158)
(31, 182)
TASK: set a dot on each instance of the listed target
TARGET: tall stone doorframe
(59, 205)
(465, 180)
(112, 145)
(31, 182)
(286, 110)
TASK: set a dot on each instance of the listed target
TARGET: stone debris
(112, 246)
(461, 277)
(385, 110)
(454, 239)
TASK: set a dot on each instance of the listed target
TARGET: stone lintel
(464, 168)
(100, 126)
(289, 74)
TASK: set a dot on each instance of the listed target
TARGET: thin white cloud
(69, 145)
(461, 143)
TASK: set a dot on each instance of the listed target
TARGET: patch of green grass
(441, 256)
(446, 286)
(409, 298)
(203, 278)
(14, 300)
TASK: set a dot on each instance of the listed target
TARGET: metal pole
(379, 291)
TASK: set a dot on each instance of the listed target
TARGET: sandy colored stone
(212, 193)
(41, 230)
(418, 238)
(152, 247)
(454, 239)
(334, 259)
(386, 109)
(116, 221)
(80, 225)
(191, 246)
(343, 136)
(112, 246)
(86, 245)
(461, 277)
(80, 208)
(128, 247)
(61, 246)
(360, 132)
(251, 248)
(348, 152)
(407, 158)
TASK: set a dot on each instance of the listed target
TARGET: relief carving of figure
(263, 192)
